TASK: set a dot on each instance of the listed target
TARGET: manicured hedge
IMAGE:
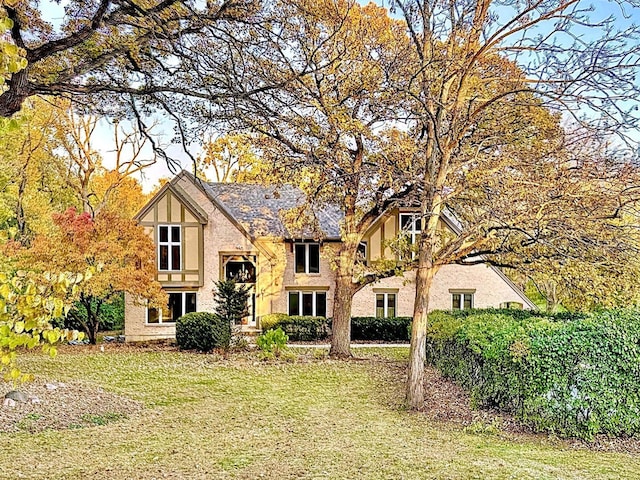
(571, 376)
(298, 329)
(202, 331)
(394, 329)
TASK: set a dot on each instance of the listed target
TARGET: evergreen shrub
(573, 376)
(202, 331)
(392, 329)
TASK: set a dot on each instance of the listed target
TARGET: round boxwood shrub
(202, 331)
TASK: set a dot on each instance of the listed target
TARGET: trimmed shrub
(298, 329)
(392, 329)
(574, 377)
(271, 321)
(202, 331)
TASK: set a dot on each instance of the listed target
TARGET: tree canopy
(103, 47)
(326, 124)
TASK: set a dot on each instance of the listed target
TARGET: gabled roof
(181, 195)
(258, 208)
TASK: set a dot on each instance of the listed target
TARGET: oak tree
(113, 50)
(327, 124)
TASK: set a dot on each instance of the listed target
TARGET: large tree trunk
(341, 328)
(417, 351)
(345, 289)
(427, 268)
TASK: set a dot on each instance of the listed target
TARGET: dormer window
(361, 254)
(307, 257)
(411, 224)
(169, 247)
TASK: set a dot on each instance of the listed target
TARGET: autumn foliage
(117, 248)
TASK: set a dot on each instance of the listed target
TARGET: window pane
(153, 315)
(175, 307)
(314, 258)
(307, 304)
(405, 222)
(294, 303)
(456, 301)
(362, 251)
(175, 234)
(175, 257)
(164, 257)
(189, 302)
(300, 258)
(380, 305)
(321, 304)
(164, 234)
(391, 305)
(467, 301)
(241, 272)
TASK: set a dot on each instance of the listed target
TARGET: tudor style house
(205, 232)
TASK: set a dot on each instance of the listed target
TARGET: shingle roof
(259, 208)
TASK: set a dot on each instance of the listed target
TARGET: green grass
(208, 417)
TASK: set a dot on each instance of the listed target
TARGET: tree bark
(11, 100)
(341, 327)
(417, 351)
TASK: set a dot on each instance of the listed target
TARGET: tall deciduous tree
(96, 186)
(117, 248)
(516, 201)
(31, 188)
(329, 120)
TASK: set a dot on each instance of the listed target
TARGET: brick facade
(274, 259)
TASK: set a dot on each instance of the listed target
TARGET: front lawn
(210, 417)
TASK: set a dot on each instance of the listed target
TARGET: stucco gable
(171, 187)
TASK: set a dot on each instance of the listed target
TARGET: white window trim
(306, 258)
(414, 231)
(169, 243)
(462, 294)
(161, 310)
(386, 304)
(314, 309)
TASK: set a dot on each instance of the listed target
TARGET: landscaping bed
(60, 405)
